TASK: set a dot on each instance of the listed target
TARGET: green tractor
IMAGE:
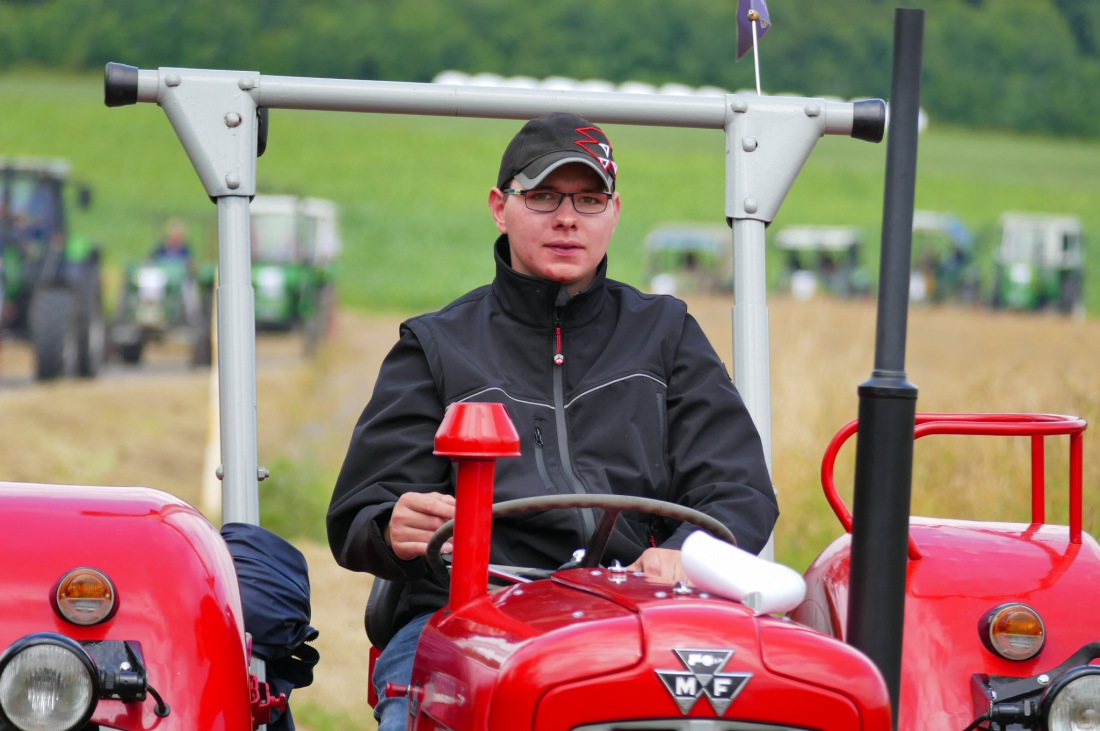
(944, 267)
(689, 258)
(295, 242)
(1040, 263)
(51, 292)
(818, 260)
(162, 300)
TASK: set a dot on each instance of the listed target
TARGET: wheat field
(960, 360)
(150, 427)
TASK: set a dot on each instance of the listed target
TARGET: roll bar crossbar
(218, 116)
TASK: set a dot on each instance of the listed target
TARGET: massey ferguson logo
(703, 676)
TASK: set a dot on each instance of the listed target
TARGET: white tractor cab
(689, 258)
(287, 228)
(821, 260)
(944, 265)
(294, 245)
(1040, 263)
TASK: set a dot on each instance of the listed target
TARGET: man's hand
(413, 521)
(660, 563)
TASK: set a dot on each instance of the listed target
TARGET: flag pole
(754, 18)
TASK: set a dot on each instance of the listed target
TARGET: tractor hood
(589, 646)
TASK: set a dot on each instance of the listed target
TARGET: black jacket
(640, 405)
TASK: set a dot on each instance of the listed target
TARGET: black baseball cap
(546, 143)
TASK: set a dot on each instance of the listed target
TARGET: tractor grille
(685, 724)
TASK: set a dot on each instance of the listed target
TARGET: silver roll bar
(215, 114)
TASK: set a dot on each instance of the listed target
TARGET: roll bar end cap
(869, 120)
(120, 84)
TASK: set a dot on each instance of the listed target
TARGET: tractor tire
(202, 348)
(1071, 299)
(53, 321)
(91, 325)
(131, 352)
(318, 325)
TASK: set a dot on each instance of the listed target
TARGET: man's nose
(566, 215)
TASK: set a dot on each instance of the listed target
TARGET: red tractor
(126, 609)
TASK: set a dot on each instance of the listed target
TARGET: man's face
(562, 246)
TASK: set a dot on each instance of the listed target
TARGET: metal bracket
(217, 122)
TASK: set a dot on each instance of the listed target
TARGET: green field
(413, 189)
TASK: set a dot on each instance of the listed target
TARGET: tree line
(1025, 65)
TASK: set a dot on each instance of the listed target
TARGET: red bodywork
(177, 595)
(958, 570)
(596, 646)
(596, 649)
(582, 649)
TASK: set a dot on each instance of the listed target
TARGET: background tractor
(689, 258)
(295, 242)
(162, 299)
(52, 293)
(1040, 263)
(822, 260)
(945, 268)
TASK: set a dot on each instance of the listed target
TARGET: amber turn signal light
(1012, 631)
(85, 596)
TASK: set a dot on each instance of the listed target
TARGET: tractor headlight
(1072, 702)
(1020, 273)
(270, 281)
(151, 282)
(47, 683)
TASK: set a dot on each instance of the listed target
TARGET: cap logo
(589, 142)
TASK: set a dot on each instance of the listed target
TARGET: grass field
(435, 173)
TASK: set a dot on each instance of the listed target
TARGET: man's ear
(496, 207)
(617, 202)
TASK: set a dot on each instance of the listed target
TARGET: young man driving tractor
(610, 389)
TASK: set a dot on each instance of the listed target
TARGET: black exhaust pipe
(888, 401)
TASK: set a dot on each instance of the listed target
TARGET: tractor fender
(176, 593)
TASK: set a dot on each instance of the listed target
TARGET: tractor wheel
(319, 324)
(91, 325)
(53, 320)
(131, 352)
(202, 349)
(1071, 300)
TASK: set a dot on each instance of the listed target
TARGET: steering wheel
(611, 505)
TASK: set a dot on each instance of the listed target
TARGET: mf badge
(703, 676)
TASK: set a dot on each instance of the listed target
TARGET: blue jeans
(395, 665)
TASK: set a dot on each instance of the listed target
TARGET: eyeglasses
(548, 201)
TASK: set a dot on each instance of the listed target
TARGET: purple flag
(745, 10)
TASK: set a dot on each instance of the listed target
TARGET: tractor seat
(381, 606)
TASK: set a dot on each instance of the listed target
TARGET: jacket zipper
(540, 461)
(587, 514)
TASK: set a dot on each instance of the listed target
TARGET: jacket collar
(539, 302)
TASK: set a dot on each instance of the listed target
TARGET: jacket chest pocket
(621, 438)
